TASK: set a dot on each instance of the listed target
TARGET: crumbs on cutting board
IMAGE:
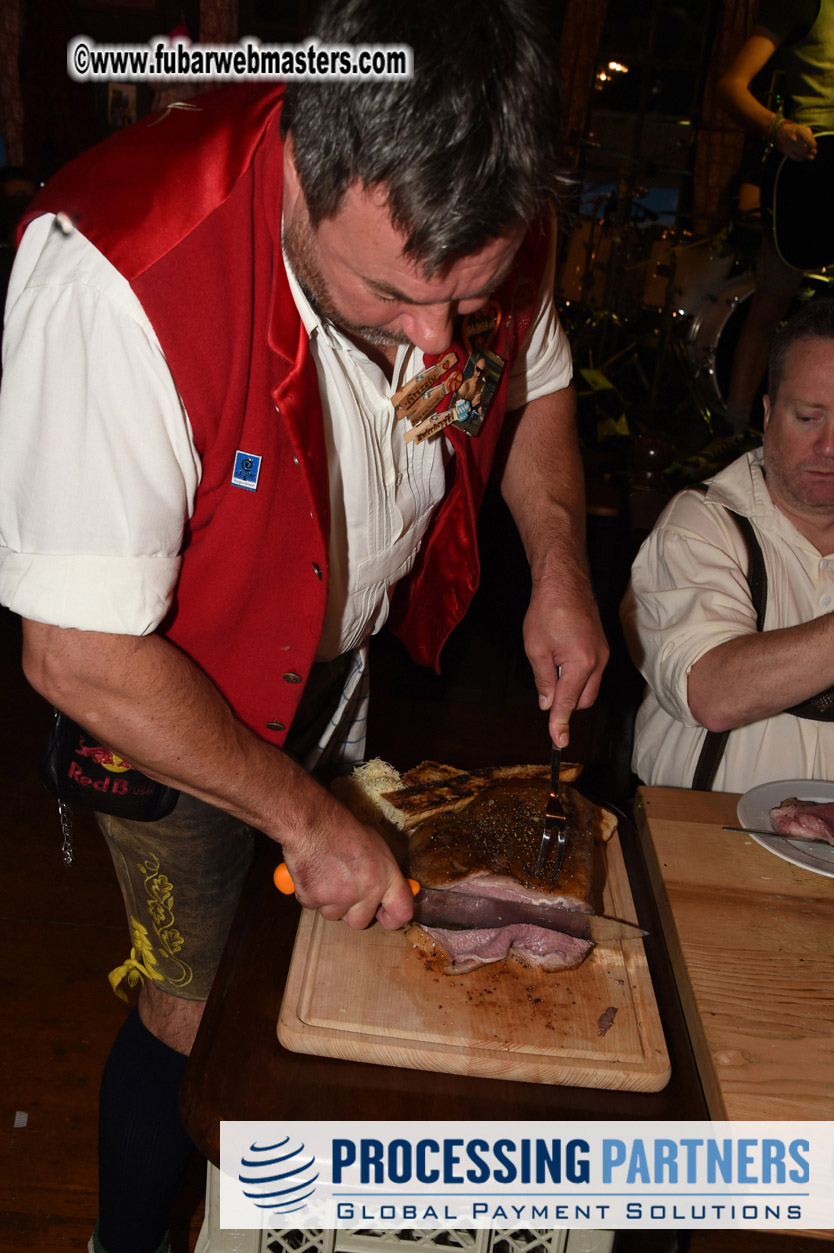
(480, 996)
(481, 1002)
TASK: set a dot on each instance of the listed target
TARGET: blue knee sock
(143, 1147)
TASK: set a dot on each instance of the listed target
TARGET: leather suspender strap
(756, 572)
(712, 749)
(819, 708)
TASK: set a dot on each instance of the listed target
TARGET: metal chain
(65, 818)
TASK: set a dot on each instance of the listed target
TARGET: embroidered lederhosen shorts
(181, 877)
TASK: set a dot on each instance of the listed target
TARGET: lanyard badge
(475, 395)
(472, 390)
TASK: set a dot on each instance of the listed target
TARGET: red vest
(188, 209)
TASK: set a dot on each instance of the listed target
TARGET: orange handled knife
(283, 881)
(462, 911)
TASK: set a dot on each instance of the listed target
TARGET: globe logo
(276, 1176)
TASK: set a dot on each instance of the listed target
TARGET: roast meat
(490, 848)
(804, 820)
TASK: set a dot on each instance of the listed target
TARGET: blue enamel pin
(246, 471)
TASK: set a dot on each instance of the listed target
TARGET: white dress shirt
(98, 469)
(688, 594)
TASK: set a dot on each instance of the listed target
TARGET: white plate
(754, 811)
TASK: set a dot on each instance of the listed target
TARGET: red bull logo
(117, 787)
(103, 757)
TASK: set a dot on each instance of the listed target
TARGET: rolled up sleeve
(98, 470)
(688, 594)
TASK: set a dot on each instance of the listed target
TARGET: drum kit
(620, 287)
(655, 280)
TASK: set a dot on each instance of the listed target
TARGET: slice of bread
(377, 794)
(605, 824)
(445, 793)
(428, 772)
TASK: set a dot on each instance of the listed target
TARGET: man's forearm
(756, 676)
(733, 90)
(734, 95)
(744, 108)
(147, 701)
(543, 484)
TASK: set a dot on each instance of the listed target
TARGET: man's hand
(566, 647)
(734, 94)
(346, 871)
(795, 141)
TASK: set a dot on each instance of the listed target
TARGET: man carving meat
(208, 502)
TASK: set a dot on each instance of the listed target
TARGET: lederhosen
(818, 708)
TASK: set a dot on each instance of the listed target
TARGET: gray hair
(467, 149)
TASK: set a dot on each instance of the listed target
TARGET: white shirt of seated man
(688, 615)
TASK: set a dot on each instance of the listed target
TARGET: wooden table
(238, 1069)
(751, 939)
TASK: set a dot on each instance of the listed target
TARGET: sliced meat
(458, 952)
(804, 820)
(490, 848)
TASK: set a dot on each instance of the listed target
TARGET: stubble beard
(299, 246)
(785, 486)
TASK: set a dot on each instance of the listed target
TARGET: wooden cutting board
(369, 996)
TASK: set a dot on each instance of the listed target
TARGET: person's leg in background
(776, 286)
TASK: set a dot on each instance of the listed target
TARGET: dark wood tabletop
(239, 1071)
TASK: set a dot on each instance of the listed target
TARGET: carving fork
(555, 822)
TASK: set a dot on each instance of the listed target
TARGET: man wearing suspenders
(728, 614)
